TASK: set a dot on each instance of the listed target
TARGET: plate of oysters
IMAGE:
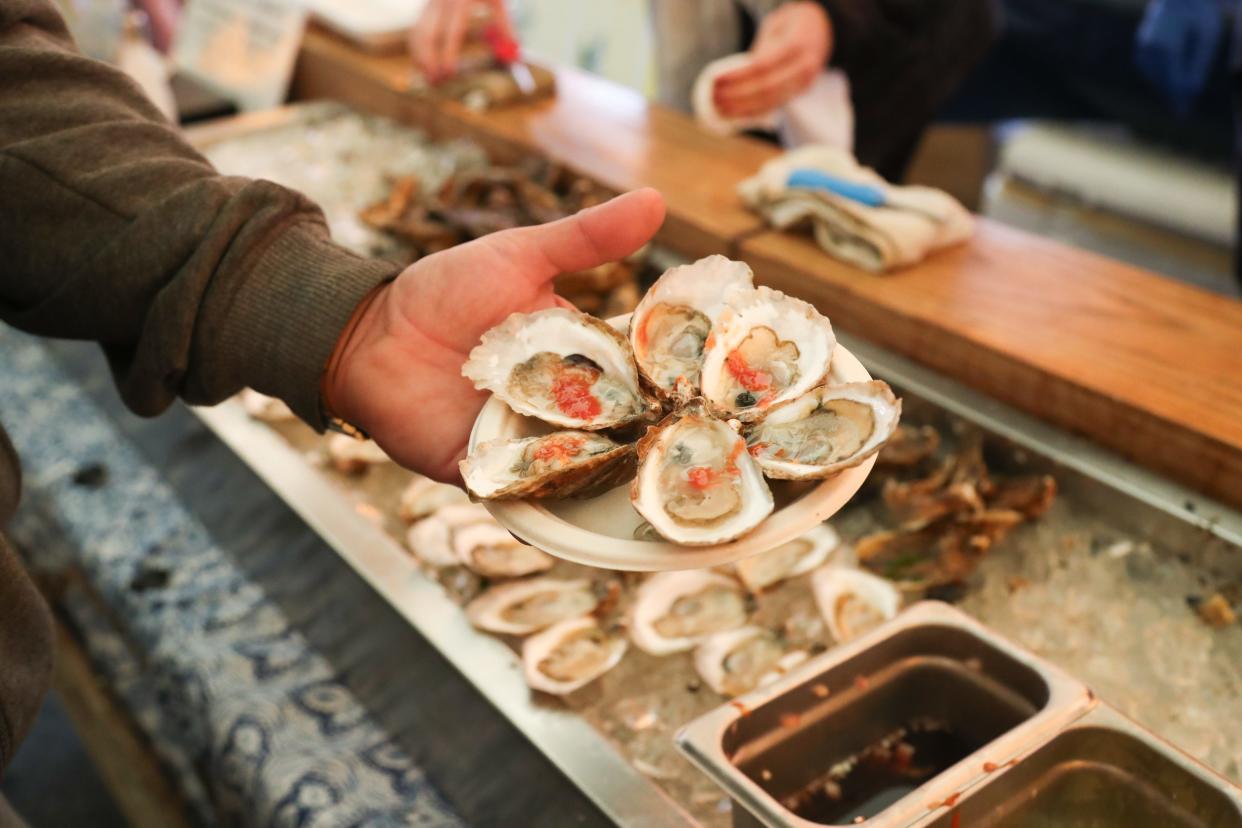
(717, 421)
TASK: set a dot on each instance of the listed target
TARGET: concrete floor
(52, 782)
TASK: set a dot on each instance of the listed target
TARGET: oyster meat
(788, 560)
(489, 550)
(671, 324)
(527, 606)
(564, 367)
(853, 601)
(560, 464)
(826, 431)
(674, 611)
(737, 661)
(424, 496)
(766, 348)
(696, 484)
(570, 655)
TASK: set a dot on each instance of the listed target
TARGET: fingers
(592, 237)
(767, 92)
(423, 40)
(453, 32)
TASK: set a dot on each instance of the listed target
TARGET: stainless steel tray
(932, 663)
(1097, 587)
(1107, 770)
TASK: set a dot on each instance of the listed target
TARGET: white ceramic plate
(599, 531)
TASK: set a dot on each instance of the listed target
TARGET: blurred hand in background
(792, 46)
(437, 38)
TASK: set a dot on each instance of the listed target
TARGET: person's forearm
(113, 229)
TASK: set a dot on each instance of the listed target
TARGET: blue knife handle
(815, 180)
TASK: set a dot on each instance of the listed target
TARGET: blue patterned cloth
(250, 721)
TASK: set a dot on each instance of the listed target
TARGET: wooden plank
(119, 752)
(605, 131)
(1150, 367)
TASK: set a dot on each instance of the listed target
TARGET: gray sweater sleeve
(112, 229)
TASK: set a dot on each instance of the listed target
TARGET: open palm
(398, 374)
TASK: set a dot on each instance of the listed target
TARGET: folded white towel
(913, 222)
(822, 114)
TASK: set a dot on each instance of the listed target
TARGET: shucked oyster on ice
(766, 348)
(674, 611)
(564, 367)
(826, 431)
(431, 539)
(524, 607)
(696, 484)
(570, 655)
(788, 560)
(737, 661)
(424, 496)
(489, 549)
(853, 601)
(560, 464)
(670, 326)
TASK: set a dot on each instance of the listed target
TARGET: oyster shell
(489, 549)
(560, 464)
(570, 655)
(737, 661)
(352, 456)
(826, 431)
(696, 484)
(788, 560)
(672, 322)
(853, 601)
(674, 611)
(766, 348)
(564, 367)
(524, 607)
(431, 539)
(262, 407)
(424, 496)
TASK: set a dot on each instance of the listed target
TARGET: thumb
(600, 234)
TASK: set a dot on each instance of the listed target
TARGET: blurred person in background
(903, 58)
(113, 229)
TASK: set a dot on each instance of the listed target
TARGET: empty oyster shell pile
(728, 380)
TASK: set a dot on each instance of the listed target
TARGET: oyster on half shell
(527, 606)
(696, 483)
(737, 661)
(826, 431)
(788, 560)
(562, 366)
(766, 348)
(560, 464)
(489, 549)
(674, 611)
(853, 601)
(671, 325)
(570, 655)
(424, 496)
(431, 539)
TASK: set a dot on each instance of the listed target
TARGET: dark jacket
(113, 229)
(904, 59)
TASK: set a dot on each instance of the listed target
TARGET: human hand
(436, 39)
(790, 49)
(396, 372)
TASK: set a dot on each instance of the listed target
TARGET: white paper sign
(243, 49)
